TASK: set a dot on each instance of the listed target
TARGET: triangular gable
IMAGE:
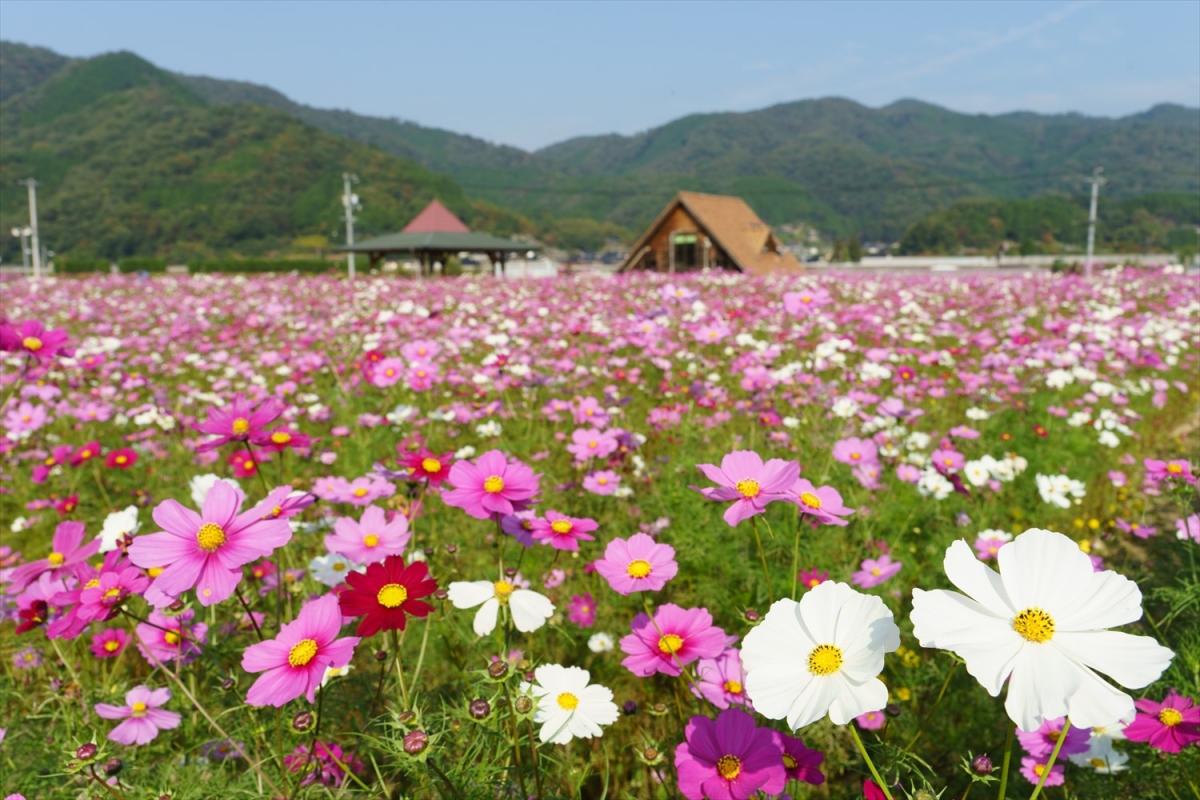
(436, 218)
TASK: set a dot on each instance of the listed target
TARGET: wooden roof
(732, 225)
(435, 218)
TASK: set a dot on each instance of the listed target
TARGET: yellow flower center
(431, 465)
(138, 709)
(56, 559)
(31, 343)
(748, 488)
(1170, 717)
(1174, 469)
(733, 687)
(360, 491)
(503, 589)
(121, 459)
(729, 766)
(811, 500)
(1039, 769)
(338, 566)
(1098, 763)
(154, 572)
(111, 646)
(171, 637)
(789, 762)
(240, 426)
(493, 484)
(670, 644)
(92, 584)
(111, 593)
(825, 659)
(392, 595)
(370, 540)
(638, 568)
(568, 701)
(561, 526)
(210, 537)
(1034, 625)
(602, 481)
(281, 437)
(302, 652)
(855, 456)
(86, 454)
(593, 444)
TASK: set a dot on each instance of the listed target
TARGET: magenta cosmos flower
(1169, 726)
(142, 713)
(207, 550)
(751, 484)
(32, 339)
(823, 504)
(875, 571)
(637, 564)
(294, 662)
(799, 762)
(162, 638)
(240, 421)
(370, 539)
(1040, 743)
(603, 482)
(589, 443)
(490, 485)
(674, 638)
(721, 680)
(68, 553)
(562, 532)
(729, 758)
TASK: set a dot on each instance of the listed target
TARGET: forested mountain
(184, 161)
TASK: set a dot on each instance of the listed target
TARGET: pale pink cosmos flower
(142, 713)
(875, 571)
(589, 443)
(805, 301)
(674, 638)
(562, 532)
(207, 550)
(603, 482)
(637, 564)
(294, 662)
(751, 484)
(492, 484)
(162, 638)
(370, 539)
(387, 372)
(68, 553)
(855, 451)
(1188, 528)
(824, 504)
(722, 680)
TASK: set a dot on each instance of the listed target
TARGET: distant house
(709, 231)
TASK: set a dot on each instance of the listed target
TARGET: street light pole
(1097, 181)
(348, 203)
(31, 184)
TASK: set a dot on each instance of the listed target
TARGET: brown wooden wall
(658, 256)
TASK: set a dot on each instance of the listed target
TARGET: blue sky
(531, 74)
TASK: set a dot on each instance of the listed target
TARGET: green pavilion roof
(467, 241)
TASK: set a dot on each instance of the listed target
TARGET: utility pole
(33, 228)
(1097, 181)
(349, 203)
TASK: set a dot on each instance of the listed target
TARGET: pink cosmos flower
(582, 610)
(1188, 528)
(804, 302)
(1032, 770)
(562, 532)
(989, 542)
(101, 596)
(751, 484)
(420, 350)
(871, 721)
(854, 451)
(109, 643)
(812, 578)
(294, 662)
(729, 758)
(721, 680)
(800, 763)
(637, 564)
(1175, 469)
(674, 638)
(948, 460)
(1040, 743)
(365, 490)
(519, 526)
(207, 550)
(68, 552)
(388, 372)
(25, 418)
(823, 504)
(86, 453)
(589, 443)
(239, 421)
(492, 484)
(875, 571)
(142, 713)
(588, 411)
(162, 638)
(1168, 726)
(370, 539)
(603, 483)
(32, 339)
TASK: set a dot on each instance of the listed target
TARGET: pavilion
(436, 234)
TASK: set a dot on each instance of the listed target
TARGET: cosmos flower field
(837, 536)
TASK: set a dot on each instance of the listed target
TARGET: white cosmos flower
(1040, 623)
(331, 568)
(822, 655)
(567, 707)
(1101, 756)
(529, 609)
(116, 525)
(200, 484)
(601, 642)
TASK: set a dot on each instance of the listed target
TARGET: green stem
(1004, 769)
(862, 749)
(399, 669)
(416, 681)
(312, 744)
(762, 555)
(795, 561)
(1062, 737)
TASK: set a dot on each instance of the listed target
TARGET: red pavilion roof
(436, 218)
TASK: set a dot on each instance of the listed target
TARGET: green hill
(131, 161)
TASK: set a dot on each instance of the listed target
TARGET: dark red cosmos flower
(386, 593)
(121, 458)
(428, 466)
(33, 615)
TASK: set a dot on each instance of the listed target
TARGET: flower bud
(498, 669)
(523, 704)
(113, 766)
(981, 764)
(86, 751)
(629, 707)
(451, 549)
(479, 708)
(415, 742)
(303, 721)
(381, 656)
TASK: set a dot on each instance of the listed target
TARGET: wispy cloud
(977, 48)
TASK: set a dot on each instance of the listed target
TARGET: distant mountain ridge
(831, 163)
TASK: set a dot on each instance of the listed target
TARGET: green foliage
(308, 265)
(77, 264)
(142, 264)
